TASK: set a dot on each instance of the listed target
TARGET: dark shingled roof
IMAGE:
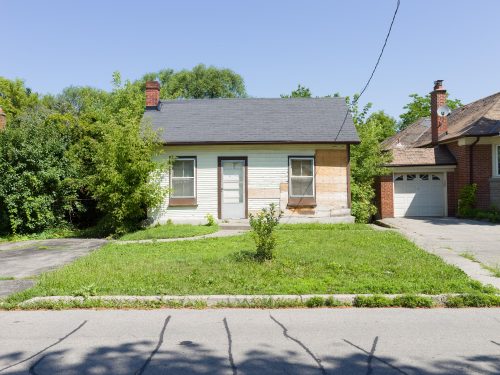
(226, 121)
(421, 157)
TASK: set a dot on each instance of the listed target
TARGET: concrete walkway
(220, 233)
(25, 259)
(253, 342)
(451, 237)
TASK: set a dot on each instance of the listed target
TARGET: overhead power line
(374, 68)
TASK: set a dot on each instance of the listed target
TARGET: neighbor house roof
(235, 121)
(421, 157)
(477, 119)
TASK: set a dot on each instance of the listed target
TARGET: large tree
(419, 107)
(201, 82)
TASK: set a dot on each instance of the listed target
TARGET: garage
(419, 194)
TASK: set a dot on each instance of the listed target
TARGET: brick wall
(385, 196)
(481, 174)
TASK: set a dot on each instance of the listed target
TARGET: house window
(183, 181)
(302, 177)
(410, 177)
(301, 181)
(399, 177)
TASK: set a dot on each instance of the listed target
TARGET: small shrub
(492, 215)
(263, 225)
(170, 222)
(315, 301)
(413, 301)
(86, 291)
(211, 222)
(332, 302)
(372, 301)
(467, 201)
(473, 300)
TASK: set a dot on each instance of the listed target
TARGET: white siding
(267, 169)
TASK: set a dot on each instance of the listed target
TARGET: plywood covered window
(183, 181)
(301, 181)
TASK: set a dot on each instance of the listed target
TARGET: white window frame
(181, 158)
(311, 158)
(495, 166)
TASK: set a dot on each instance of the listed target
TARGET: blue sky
(328, 46)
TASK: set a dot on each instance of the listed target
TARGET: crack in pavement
(372, 355)
(230, 348)
(43, 350)
(494, 342)
(308, 351)
(158, 345)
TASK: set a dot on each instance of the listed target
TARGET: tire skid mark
(155, 350)
(46, 348)
(373, 356)
(301, 344)
(230, 348)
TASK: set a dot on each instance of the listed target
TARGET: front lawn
(309, 260)
(170, 231)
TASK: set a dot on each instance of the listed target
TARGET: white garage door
(419, 194)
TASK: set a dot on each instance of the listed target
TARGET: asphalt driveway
(450, 237)
(22, 260)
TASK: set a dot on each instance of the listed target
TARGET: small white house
(236, 156)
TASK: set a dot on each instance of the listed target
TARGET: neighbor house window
(497, 160)
(183, 181)
(301, 181)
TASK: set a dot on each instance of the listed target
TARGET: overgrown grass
(170, 231)
(67, 232)
(318, 259)
(494, 270)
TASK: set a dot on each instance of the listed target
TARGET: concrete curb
(215, 300)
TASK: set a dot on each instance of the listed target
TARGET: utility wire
(367, 82)
(374, 68)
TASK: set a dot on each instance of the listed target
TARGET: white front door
(233, 189)
(419, 194)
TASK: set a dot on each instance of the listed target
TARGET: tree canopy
(201, 82)
(419, 107)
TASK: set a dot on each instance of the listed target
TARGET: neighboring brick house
(234, 157)
(435, 157)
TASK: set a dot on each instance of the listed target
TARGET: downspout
(471, 159)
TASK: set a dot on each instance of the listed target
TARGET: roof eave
(257, 143)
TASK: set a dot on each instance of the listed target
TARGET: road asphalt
(242, 341)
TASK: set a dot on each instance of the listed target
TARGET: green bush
(372, 301)
(412, 301)
(467, 201)
(315, 301)
(263, 225)
(211, 222)
(473, 300)
(37, 184)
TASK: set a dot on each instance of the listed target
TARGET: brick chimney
(439, 124)
(3, 119)
(152, 94)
